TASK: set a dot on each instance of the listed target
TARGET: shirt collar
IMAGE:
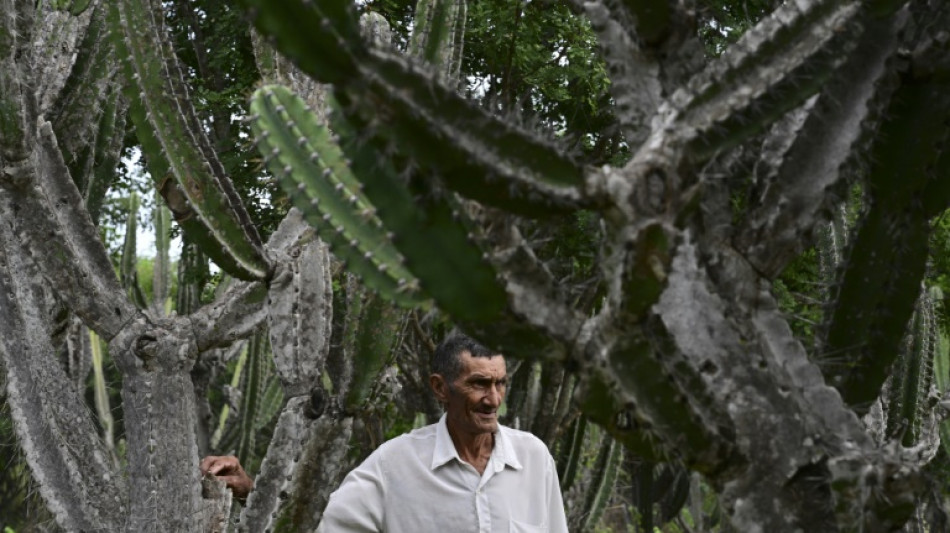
(502, 454)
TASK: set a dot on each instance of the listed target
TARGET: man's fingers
(214, 465)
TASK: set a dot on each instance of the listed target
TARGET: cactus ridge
(572, 447)
(105, 155)
(774, 78)
(154, 70)
(488, 159)
(913, 374)
(325, 191)
(605, 470)
(462, 282)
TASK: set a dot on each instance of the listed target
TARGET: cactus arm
(894, 234)
(129, 257)
(348, 302)
(316, 178)
(635, 84)
(915, 375)
(820, 161)
(305, 27)
(374, 344)
(89, 92)
(463, 283)
(294, 429)
(57, 38)
(782, 363)
(65, 243)
(234, 315)
(438, 27)
(526, 174)
(320, 470)
(299, 311)
(251, 396)
(602, 485)
(55, 430)
(161, 276)
(155, 72)
(15, 19)
(237, 312)
(551, 378)
(105, 155)
(485, 159)
(773, 68)
(571, 454)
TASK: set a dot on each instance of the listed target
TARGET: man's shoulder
(410, 440)
(523, 440)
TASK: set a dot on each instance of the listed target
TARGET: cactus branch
(821, 160)
(56, 431)
(156, 73)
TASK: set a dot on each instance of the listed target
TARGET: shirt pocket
(515, 526)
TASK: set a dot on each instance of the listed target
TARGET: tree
(681, 348)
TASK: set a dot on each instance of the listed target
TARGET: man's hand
(228, 469)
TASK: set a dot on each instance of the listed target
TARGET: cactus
(605, 472)
(167, 114)
(570, 456)
(103, 409)
(684, 354)
(342, 216)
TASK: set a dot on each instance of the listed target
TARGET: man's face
(473, 399)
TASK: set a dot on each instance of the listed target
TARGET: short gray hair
(447, 362)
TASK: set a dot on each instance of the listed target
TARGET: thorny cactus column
(49, 240)
(689, 357)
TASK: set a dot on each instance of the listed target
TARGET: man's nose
(495, 395)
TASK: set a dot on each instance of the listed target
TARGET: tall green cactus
(165, 116)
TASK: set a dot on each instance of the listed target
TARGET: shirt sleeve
(357, 506)
(557, 521)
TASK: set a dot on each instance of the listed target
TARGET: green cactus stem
(571, 451)
(318, 180)
(867, 326)
(170, 119)
(462, 283)
(913, 374)
(605, 470)
(377, 336)
(161, 275)
(439, 26)
(128, 262)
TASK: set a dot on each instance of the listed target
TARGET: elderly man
(464, 473)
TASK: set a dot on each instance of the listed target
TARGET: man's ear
(439, 387)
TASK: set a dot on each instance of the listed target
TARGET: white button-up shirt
(417, 483)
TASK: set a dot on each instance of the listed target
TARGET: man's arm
(228, 469)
